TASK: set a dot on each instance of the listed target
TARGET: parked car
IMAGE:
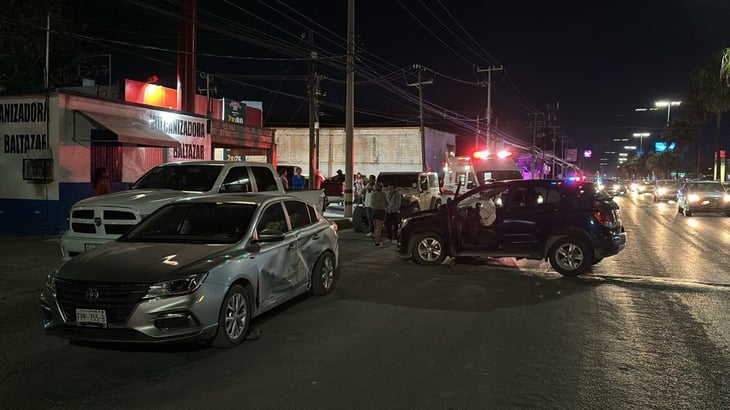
(703, 196)
(335, 191)
(573, 225)
(666, 189)
(195, 269)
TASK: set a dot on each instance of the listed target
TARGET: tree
(709, 93)
(725, 66)
(23, 45)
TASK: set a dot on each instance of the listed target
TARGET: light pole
(641, 136)
(668, 104)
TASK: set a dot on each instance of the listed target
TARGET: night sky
(598, 59)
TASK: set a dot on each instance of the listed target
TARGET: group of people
(382, 209)
(299, 181)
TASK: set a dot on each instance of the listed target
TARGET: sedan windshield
(180, 177)
(707, 187)
(194, 222)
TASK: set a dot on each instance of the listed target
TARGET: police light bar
(481, 155)
(504, 154)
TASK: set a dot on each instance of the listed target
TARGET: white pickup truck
(100, 219)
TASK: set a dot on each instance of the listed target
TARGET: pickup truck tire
(359, 219)
(323, 274)
(570, 256)
(234, 318)
(428, 249)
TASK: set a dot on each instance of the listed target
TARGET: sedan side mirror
(270, 235)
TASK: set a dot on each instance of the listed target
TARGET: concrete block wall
(376, 149)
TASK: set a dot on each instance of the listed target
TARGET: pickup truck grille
(102, 221)
(118, 300)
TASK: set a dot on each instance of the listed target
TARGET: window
(237, 180)
(298, 214)
(273, 218)
(433, 180)
(264, 178)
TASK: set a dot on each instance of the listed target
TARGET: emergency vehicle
(482, 167)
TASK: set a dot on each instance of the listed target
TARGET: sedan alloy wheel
(234, 318)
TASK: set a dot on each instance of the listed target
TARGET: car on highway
(666, 189)
(573, 225)
(703, 196)
(642, 187)
(615, 187)
(197, 269)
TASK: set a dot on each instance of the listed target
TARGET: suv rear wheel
(570, 256)
(428, 248)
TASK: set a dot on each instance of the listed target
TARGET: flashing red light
(481, 155)
(504, 154)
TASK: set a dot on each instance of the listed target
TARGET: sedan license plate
(91, 317)
(88, 246)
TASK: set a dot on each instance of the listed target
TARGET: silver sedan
(197, 269)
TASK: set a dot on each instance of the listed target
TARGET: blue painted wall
(26, 217)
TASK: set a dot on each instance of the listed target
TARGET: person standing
(357, 186)
(366, 202)
(284, 179)
(101, 183)
(392, 213)
(298, 180)
(339, 177)
(378, 203)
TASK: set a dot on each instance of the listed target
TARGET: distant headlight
(51, 281)
(176, 287)
(693, 198)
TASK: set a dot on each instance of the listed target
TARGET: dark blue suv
(571, 224)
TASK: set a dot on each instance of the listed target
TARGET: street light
(641, 136)
(668, 104)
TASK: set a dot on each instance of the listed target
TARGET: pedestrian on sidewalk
(392, 213)
(378, 203)
(365, 193)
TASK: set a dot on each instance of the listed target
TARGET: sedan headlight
(662, 191)
(726, 198)
(176, 287)
(51, 281)
(693, 198)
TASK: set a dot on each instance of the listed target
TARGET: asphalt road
(648, 328)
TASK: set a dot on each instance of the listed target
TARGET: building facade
(375, 149)
(53, 142)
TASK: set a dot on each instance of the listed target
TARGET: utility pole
(207, 90)
(533, 125)
(350, 108)
(422, 131)
(489, 100)
(48, 47)
(552, 124)
(477, 136)
(313, 109)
